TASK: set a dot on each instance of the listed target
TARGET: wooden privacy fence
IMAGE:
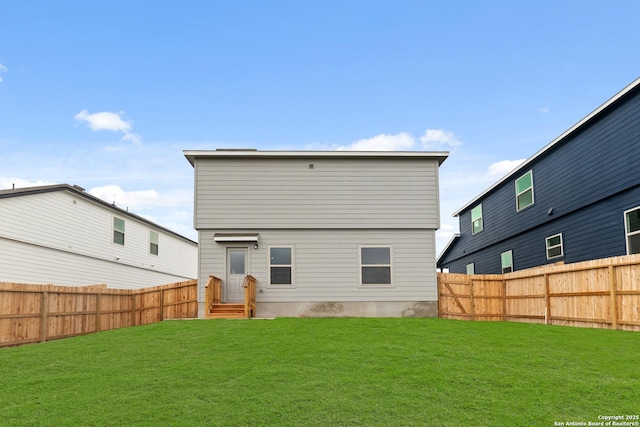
(34, 313)
(602, 293)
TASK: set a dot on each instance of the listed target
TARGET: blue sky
(106, 95)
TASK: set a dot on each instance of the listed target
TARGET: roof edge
(191, 155)
(446, 249)
(554, 142)
(75, 189)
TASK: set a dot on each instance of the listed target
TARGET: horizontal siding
(589, 168)
(591, 233)
(336, 193)
(326, 264)
(63, 222)
(24, 263)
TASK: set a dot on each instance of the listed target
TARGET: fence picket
(599, 293)
(32, 313)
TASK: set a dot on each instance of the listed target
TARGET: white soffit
(235, 237)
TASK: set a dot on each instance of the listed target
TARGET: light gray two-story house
(324, 233)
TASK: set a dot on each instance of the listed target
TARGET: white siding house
(324, 233)
(61, 235)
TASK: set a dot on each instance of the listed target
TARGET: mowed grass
(323, 372)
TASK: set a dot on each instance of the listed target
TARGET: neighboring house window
(632, 227)
(281, 265)
(375, 265)
(507, 261)
(153, 243)
(118, 231)
(554, 246)
(476, 219)
(524, 191)
(471, 268)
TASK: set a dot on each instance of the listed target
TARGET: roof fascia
(527, 163)
(448, 247)
(192, 155)
(79, 191)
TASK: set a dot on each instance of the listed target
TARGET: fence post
(614, 298)
(439, 284)
(43, 317)
(471, 308)
(98, 312)
(134, 314)
(504, 299)
(547, 300)
(161, 305)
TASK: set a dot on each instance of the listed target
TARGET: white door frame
(233, 291)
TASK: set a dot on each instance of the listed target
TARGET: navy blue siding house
(577, 199)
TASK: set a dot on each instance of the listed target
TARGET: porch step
(226, 311)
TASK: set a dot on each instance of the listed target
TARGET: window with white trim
(476, 219)
(632, 229)
(375, 265)
(554, 246)
(524, 191)
(506, 259)
(281, 265)
(471, 268)
(118, 231)
(154, 241)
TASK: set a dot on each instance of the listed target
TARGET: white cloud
(503, 167)
(382, 142)
(129, 199)
(109, 121)
(437, 138)
(432, 138)
(104, 121)
(3, 69)
(544, 109)
(133, 137)
(172, 209)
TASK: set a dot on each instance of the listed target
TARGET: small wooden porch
(216, 309)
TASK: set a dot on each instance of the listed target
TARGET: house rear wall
(326, 272)
(316, 193)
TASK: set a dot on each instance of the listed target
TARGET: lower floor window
(375, 265)
(281, 266)
(507, 261)
(554, 246)
(471, 268)
(632, 227)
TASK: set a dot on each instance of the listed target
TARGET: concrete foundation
(348, 309)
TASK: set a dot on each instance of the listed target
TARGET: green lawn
(323, 372)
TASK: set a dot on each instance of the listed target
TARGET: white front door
(236, 272)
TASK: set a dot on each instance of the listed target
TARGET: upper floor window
(118, 231)
(375, 265)
(476, 219)
(554, 246)
(281, 266)
(506, 259)
(632, 228)
(471, 268)
(153, 242)
(524, 191)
